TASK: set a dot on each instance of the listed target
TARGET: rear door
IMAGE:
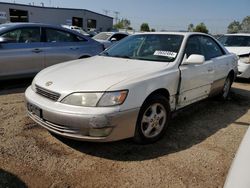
(23, 54)
(61, 46)
(221, 62)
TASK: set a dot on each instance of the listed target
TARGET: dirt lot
(197, 151)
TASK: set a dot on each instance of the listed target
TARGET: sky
(162, 14)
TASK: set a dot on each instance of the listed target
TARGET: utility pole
(116, 16)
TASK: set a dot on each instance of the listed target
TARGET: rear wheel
(152, 120)
(226, 88)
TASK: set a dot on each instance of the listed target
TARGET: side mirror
(113, 39)
(194, 59)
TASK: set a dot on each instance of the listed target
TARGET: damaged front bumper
(99, 124)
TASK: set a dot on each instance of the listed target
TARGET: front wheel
(152, 120)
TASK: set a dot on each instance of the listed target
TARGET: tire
(152, 120)
(226, 88)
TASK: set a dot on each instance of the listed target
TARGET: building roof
(57, 8)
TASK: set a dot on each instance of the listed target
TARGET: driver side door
(22, 53)
(196, 79)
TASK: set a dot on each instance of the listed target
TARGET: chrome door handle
(36, 50)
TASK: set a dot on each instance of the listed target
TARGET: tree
(234, 27)
(201, 28)
(191, 27)
(145, 27)
(245, 25)
(123, 24)
(152, 30)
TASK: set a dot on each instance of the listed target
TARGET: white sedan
(131, 89)
(240, 45)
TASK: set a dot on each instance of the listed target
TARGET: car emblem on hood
(49, 83)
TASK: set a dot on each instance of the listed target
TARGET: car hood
(97, 73)
(239, 50)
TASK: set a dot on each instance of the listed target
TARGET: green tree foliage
(123, 24)
(201, 28)
(245, 25)
(145, 27)
(152, 30)
(234, 27)
(198, 28)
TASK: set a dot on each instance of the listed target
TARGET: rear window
(102, 36)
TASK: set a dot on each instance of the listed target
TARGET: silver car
(27, 48)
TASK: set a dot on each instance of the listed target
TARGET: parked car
(75, 28)
(240, 45)
(238, 175)
(27, 48)
(109, 38)
(131, 89)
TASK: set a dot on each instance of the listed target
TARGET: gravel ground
(197, 151)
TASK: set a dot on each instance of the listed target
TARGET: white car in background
(131, 88)
(240, 45)
(109, 38)
(76, 28)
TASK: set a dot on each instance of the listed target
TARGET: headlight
(82, 99)
(102, 99)
(113, 98)
(245, 59)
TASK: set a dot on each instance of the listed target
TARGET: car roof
(26, 24)
(112, 33)
(184, 33)
(8, 26)
(238, 34)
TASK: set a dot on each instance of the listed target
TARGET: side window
(119, 36)
(23, 35)
(210, 47)
(193, 46)
(53, 35)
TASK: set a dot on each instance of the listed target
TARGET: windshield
(102, 36)
(151, 47)
(239, 41)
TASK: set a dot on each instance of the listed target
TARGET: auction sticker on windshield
(165, 53)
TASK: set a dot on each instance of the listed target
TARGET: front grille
(47, 93)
